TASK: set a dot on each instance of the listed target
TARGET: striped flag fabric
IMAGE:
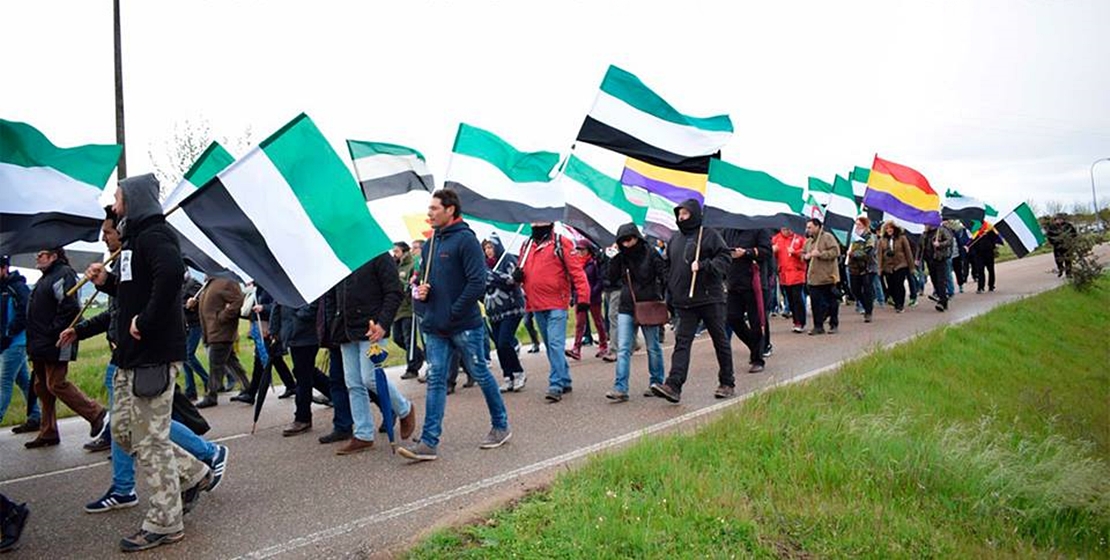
(290, 215)
(964, 208)
(396, 184)
(744, 199)
(495, 181)
(859, 177)
(840, 208)
(49, 195)
(596, 204)
(903, 192)
(1021, 230)
(197, 249)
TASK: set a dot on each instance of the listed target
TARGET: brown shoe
(724, 392)
(296, 428)
(408, 423)
(354, 445)
(42, 442)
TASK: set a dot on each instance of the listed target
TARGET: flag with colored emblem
(49, 196)
(290, 215)
(396, 184)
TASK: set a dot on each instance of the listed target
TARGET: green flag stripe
(754, 184)
(326, 191)
(520, 167)
(605, 187)
(1024, 212)
(361, 149)
(861, 174)
(214, 159)
(818, 185)
(23, 145)
(628, 88)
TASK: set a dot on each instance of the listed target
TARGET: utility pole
(1094, 197)
(122, 169)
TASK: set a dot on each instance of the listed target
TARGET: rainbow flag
(902, 193)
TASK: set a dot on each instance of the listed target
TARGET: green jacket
(404, 274)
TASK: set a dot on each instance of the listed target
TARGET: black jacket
(757, 242)
(646, 268)
(296, 326)
(106, 322)
(148, 281)
(49, 313)
(14, 294)
(712, 265)
(189, 289)
(371, 292)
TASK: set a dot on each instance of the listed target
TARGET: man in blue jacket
(13, 343)
(452, 282)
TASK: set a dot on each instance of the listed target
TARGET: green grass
(991, 439)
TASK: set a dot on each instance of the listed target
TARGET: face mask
(539, 233)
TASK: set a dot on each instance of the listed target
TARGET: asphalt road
(294, 498)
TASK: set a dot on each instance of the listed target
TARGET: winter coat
(457, 274)
(824, 269)
(895, 253)
(404, 274)
(593, 278)
(219, 307)
(370, 293)
(504, 297)
(148, 281)
(549, 274)
(788, 253)
(190, 289)
(643, 265)
(757, 243)
(713, 263)
(49, 312)
(983, 248)
(942, 250)
(295, 326)
(861, 255)
(14, 295)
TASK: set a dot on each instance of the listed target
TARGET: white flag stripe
(282, 221)
(910, 227)
(605, 214)
(605, 161)
(735, 202)
(185, 226)
(1020, 229)
(675, 138)
(384, 165)
(390, 212)
(487, 180)
(44, 189)
(182, 190)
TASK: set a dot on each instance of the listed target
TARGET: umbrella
(264, 359)
(377, 356)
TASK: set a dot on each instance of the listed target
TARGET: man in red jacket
(787, 246)
(549, 272)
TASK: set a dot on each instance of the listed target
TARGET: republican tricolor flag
(902, 192)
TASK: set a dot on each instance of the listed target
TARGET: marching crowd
(451, 302)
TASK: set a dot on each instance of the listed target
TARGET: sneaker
(322, 400)
(409, 374)
(768, 351)
(296, 428)
(756, 368)
(933, 297)
(97, 425)
(833, 330)
(816, 331)
(495, 438)
(419, 452)
(649, 393)
(102, 443)
(617, 396)
(13, 528)
(518, 382)
(42, 442)
(145, 540)
(609, 357)
(191, 495)
(602, 351)
(898, 310)
(866, 317)
(30, 426)
(913, 302)
(725, 392)
(978, 291)
(553, 395)
(246, 398)
(334, 436)
(991, 288)
(939, 307)
(665, 391)
(534, 349)
(798, 329)
(218, 466)
(207, 402)
(111, 501)
(469, 382)
(506, 385)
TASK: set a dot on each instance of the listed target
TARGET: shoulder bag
(646, 313)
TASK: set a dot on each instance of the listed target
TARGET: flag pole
(697, 257)
(506, 250)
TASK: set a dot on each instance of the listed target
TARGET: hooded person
(505, 308)
(151, 348)
(641, 274)
(14, 295)
(699, 261)
(750, 250)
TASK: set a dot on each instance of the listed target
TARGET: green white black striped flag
(396, 184)
(495, 181)
(744, 199)
(596, 204)
(49, 196)
(289, 214)
(1021, 230)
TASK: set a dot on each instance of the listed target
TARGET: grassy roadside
(988, 439)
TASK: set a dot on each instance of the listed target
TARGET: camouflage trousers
(142, 428)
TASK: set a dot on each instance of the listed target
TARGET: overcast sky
(1002, 100)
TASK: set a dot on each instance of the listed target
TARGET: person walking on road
(14, 295)
(822, 254)
(787, 246)
(504, 304)
(936, 248)
(641, 274)
(219, 307)
(863, 264)
(895, 259)
(749, 249)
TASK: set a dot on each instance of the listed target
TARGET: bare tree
(187, 142)
(1053, 207)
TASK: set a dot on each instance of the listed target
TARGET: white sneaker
(519, 381)
(506, 385)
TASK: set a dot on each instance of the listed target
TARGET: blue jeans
(13, 372)
(340, 400)
(626, 332)
(358, 372)
(880, 297)
(123, 465)
(951, 287)
(553, 327)
(469, 344)
(192, 363)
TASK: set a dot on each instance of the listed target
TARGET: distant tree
(1053, 207)
(186, 143)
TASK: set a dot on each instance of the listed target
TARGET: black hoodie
(757, 243)
(644, 266)
(147, 281)
(713, 262)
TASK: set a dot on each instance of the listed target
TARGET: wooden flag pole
(85, 279)
(84, 308)
(697, 257)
